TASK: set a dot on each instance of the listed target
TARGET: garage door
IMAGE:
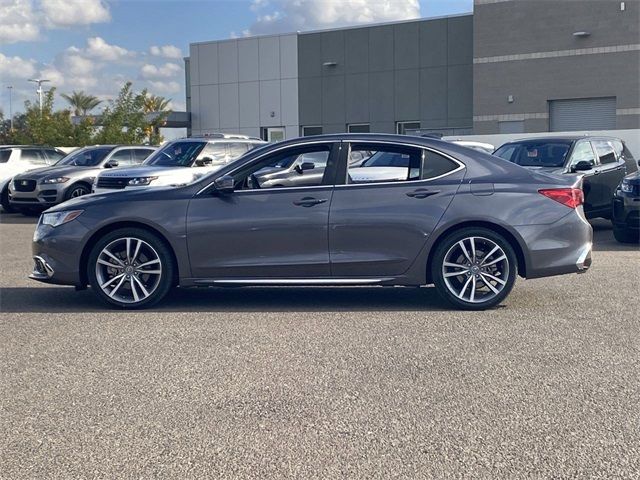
(582, 114)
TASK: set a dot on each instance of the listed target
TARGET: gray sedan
(467, 222)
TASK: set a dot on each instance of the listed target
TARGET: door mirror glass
(582, 166)
(225, 184)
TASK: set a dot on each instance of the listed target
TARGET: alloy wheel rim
(475, 269)
(128, 270)
(78, 192)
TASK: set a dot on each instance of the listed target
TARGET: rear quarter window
(5, 155)
(435, 165)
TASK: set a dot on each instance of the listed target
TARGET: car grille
(113, 182)
(24, 185)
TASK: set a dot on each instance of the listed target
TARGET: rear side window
(123, 157)
(605, 151)
(33, 156)
(583, 152)
(4, 156)
(435, 165)
(216, 152)
(384, 163)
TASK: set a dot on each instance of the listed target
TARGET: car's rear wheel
(130, 268)
(474, 268)
(626, 235)
(77, 190)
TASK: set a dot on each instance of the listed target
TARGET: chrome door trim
(296, 281)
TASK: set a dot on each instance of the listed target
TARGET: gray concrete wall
(527, 49)
(409, 71)
(241, 85)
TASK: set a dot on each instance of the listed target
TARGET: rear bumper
(559, 248)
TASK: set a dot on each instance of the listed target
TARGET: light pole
(10, 87)
(39, 82)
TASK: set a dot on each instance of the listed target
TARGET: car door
(591, 185)
(612, 170)
(263, 232)
(383, 211)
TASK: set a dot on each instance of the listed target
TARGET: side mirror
(204, 162)
(582, 166)
(307, 166)
(111, 164)
(225, 184)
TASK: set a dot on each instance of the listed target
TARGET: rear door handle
(309, 202)
(422, 193)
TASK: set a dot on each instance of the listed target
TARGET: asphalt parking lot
(323, 382)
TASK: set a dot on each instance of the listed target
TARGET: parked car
(463, 220)
(626, 210)
(16, 159)
(72, 176)
(480, 146)
(168, 165)
(602, 161)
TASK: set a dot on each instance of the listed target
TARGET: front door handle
(309, 202)
(422, 193)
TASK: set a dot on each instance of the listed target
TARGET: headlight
(55, 180)
(58, 218)
(142, 180)
(626, 186)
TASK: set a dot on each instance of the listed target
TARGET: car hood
(60, 171)
(633, 178)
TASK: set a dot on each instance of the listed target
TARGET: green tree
(157, 109)
(44, 126)
(123, 120)
(81, 103)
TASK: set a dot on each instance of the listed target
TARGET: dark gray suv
(436, 213)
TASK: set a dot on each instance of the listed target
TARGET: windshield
(550, 153)
(176, 154)
(387, 159)
(86, 157)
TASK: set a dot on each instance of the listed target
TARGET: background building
(514, 66)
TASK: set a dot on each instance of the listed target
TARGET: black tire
(77, 190)
(158, 246)
(626, 235)
(482, 236)
(4, 201)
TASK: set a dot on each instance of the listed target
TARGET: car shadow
(604, 241)
(18, 218)
(247, 299)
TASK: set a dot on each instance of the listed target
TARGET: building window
(407, 128)
(272, 134)
(312, 130)
(358, 128)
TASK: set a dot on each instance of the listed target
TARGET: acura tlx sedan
(437, 213)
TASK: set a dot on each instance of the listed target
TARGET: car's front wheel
(77, 190)
(474, 268)
(130, 268)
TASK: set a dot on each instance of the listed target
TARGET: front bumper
(559, 248)
(57, 253)
(41, 196)
(626, 211)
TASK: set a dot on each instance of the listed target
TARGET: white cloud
(17, 21)
(166, 51)
(65, 13)
(16, 67)
(167, 70)
(277, 16)
(158, 86)
(98, 48)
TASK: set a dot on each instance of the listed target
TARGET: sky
(97, 45)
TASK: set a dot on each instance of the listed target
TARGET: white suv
(178, 162)
(16, 159)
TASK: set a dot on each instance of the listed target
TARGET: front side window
(605, 151)
(536, 153)
(53, 155)
(236, 150)
(141, 154)
(122, 158)
(177, 154)
(384, 163)
(33, 156)
(213, 154)
(86, 157)
(294, 167)
(582, 153)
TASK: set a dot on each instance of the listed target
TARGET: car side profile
(16, 159)
(72, 176)
(465, 221)
(601, 161)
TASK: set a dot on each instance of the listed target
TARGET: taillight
(570, 197)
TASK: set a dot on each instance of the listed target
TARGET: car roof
(565, 138)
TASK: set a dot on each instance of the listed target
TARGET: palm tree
(159, 105)
(82, 103)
